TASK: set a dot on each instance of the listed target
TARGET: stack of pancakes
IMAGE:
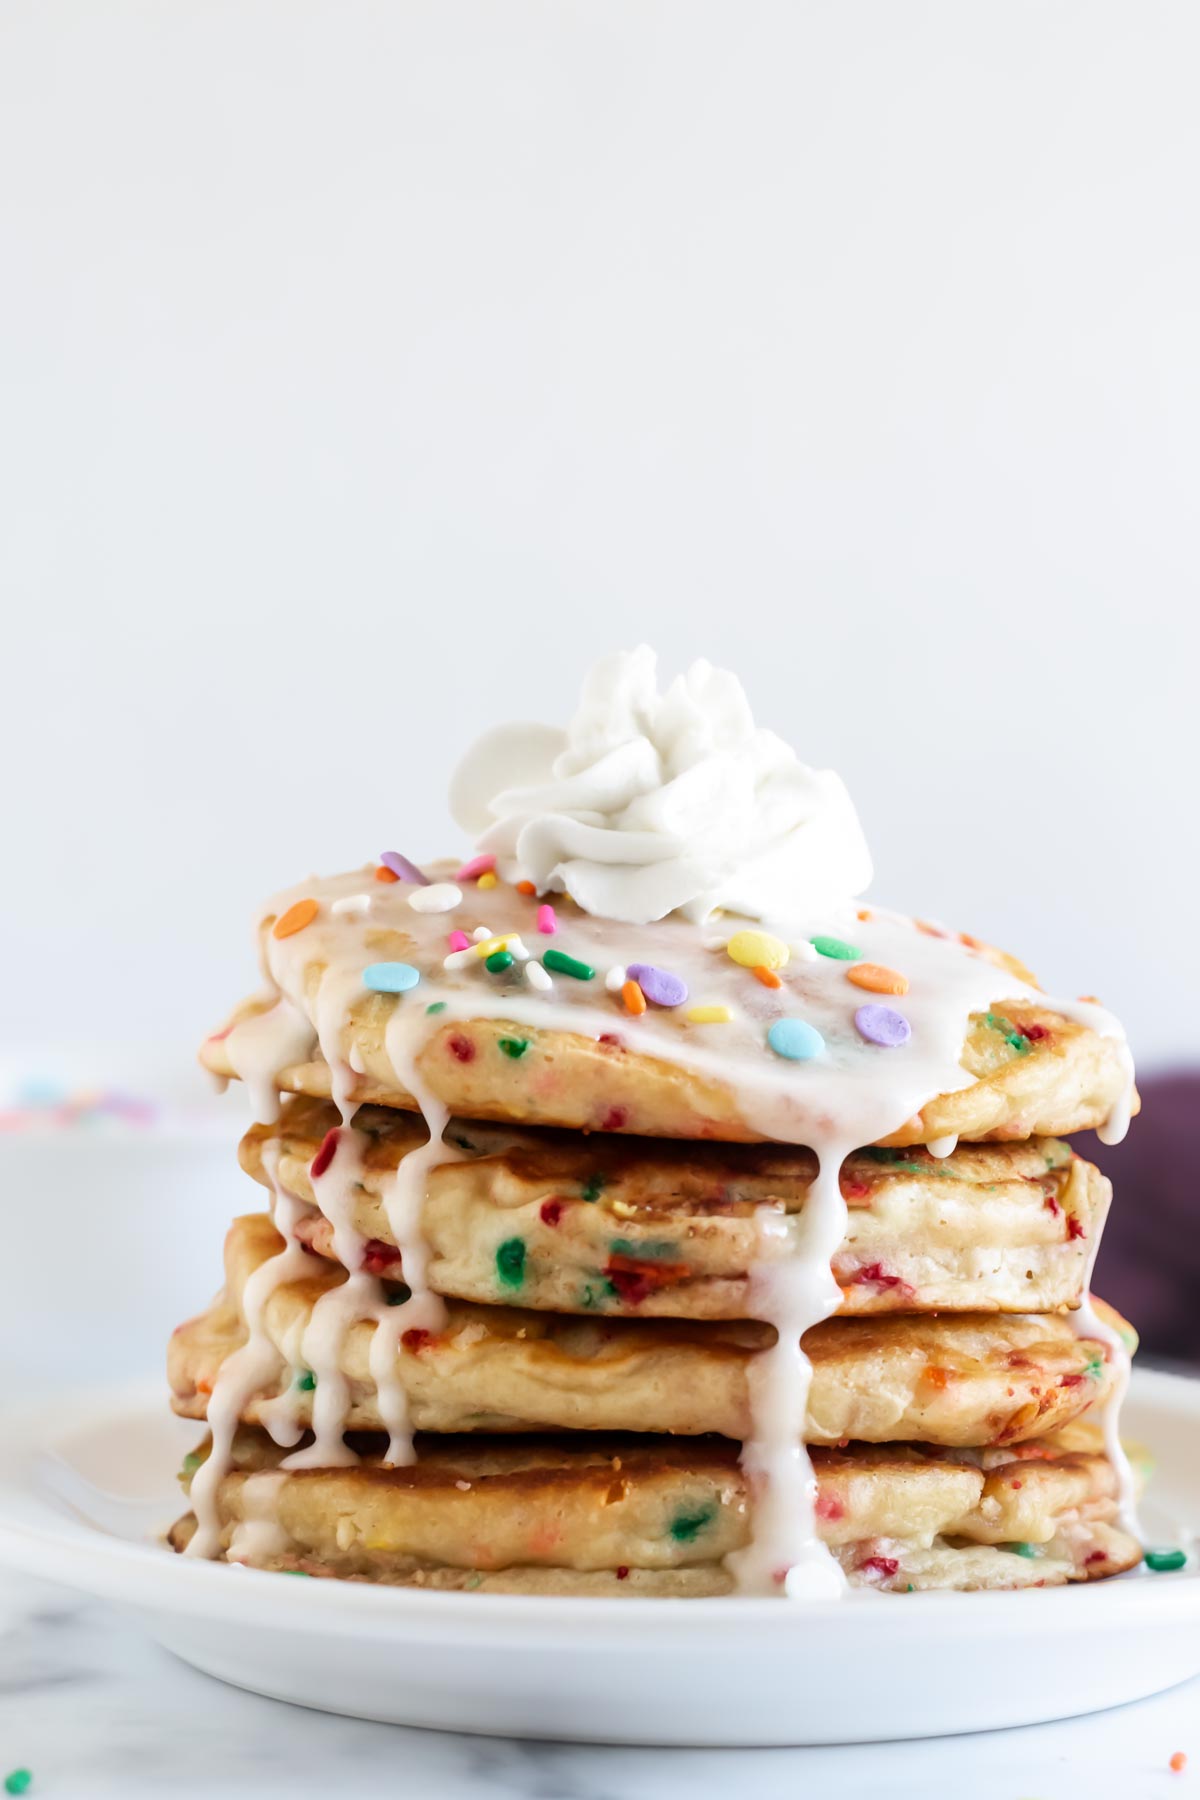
(503, 1326)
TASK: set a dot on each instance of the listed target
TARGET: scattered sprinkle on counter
(18, 1781)
(295, 919)
(1165, 1562)
(1178, 1763)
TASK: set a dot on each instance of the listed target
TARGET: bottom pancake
(622, 1515)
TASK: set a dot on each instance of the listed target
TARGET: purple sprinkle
(883, 1025)
(402, 869)
(658, 985)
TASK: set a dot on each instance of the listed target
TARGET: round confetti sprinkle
(306, 1381)
(498, 961)
(487, 879)
(709, 1015)
(295, 919)
(478, 865)
(547, 921)
(876, 979)
(435, 897)
(390, 977)
(757, 950)
(514, 1047)
(562, 964)
(883, 1025)
(526, 887)
(1178, 1762)
(510, 1262)
(838, 948)
(795, 1039)
(658, 985)
(1165, 1562)
(632, 995)
(402, 869)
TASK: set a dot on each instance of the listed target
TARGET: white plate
(78, 1501)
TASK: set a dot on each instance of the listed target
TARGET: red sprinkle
(622, 1572)
(1096, 1556)
(1035, 1033)
(550, 1212)
(462, 1048)
(614, 1119)
(611, 1039)
(1052, 1206)
(853, 1189)
(884, 1566)
(879, 1277)
(827, 1507)
(416, 1339)
(325, 1154)
(1074, 1227)
(378, 1256)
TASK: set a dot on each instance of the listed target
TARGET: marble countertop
(94, 1709)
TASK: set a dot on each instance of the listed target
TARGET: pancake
(962, 1379)
(1014, 1065)
(653, 1516)
(661, 1229)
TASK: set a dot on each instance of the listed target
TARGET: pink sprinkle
(459, 940)
(547, 923)
(478, 865)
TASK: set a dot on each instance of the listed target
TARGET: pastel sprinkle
(390, 977)
(382, 874)
(757, 949)
(1025, 1550)
(498, 961)
(547, 923)
(838, 948)
(487, 879)
(481, 933)
(537, 977)
(352, 903)
(632, 995)
(616, 978)
(1165, 1562)
(883, 1026)
(659, 985)
(562, 964)
(295, 919)
(478, 865)
(876, 979)
(709, 1015)
(402, 869)
(488, 946)
(459, 941)
(1178, 1762)
(514, 1047)
(435, 897)
(768, 977)
(795, 1039)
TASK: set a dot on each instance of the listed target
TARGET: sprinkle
(498, 961)
(768, 977)
(295, 919)
(402, 869)
(488, 946)
(757, 949)
(547, 923)
(883, 1026)
(659, 985)
(435, 897)
(481, 934)
(437, 1007)
(1008, 1032)
(1024, 1550)
(399, 1295)
(514, 1047)
(616, 978)
(459, 941)
(487, 879)
(325, 1154)
(510, 1262)
(17, 1782)
(562, 964)
(835, 947)
(462, 1049)
(458, 959)
(1178, 1763)
(592, 1186)
(526, 887)
(351, 903)
(550, 1212)
(191, 1462)
(1165, 1562)
(687, 1526)
(795, 1039)
(876, 979)
(632, 995)
(537, 977)
(306, 1381)
(709, 1015)
(478, 865)
(382, 874)
(390, 977)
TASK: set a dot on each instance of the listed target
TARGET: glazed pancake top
(639, 1515)
(960, 1379)
(658, 1228)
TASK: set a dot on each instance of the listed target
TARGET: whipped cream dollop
(651, 803)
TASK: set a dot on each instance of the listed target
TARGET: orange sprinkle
(929, 930)
(632, 995)
(1090, 999)
(203, 1385)
(382, 874)
(768, 977)
(295, 919)
(972, 943)
(937, 1378)
(1178, 1763)
(526, 887)
(864, 912)
(876, 979)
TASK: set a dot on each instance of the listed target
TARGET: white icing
(943, 1146)
(652, 803)
(262, 1045)
(257, 1536)
(1088, 1324)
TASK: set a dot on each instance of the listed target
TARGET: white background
(366, 370)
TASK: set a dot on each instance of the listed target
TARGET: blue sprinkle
(795, 1039)
(390, 978)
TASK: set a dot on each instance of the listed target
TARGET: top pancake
(1004, 1063)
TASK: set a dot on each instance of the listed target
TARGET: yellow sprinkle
(489, 946)
(487, 880)
(758, 950)
(709, 1015)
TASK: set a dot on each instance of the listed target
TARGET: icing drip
(261, 1046)
(257, 1537)
(1088, 1324)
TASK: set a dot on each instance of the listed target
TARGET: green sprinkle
(1030, 1550)
(191, 1462)
(1164, 1562)
(1008, 1032)
(562, 964)
(685, 1527)
(588, 1298)
(510, 1262)
(880, 1154)
(18, 1782)
(305, 1572)
(835, 947)
(655, 1251)
(438, 1006)
(1095, 1368)
(399, 1295)
(593, 1185)
(306, 1381)
(498, 961)
(514, 1047)
(909, 1588)
(473, 1582)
